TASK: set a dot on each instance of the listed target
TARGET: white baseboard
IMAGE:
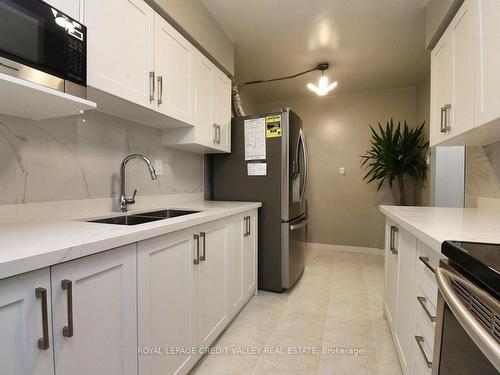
(347, 249)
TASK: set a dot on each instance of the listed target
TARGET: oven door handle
(481, 337)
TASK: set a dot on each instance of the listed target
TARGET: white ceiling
(370, 44)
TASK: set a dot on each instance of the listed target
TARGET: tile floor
(336, 304)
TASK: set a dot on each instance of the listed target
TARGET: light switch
(159, 167)
(341, 171)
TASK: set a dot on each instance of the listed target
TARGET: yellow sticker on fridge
(273, 126)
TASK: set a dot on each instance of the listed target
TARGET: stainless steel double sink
(144, 217)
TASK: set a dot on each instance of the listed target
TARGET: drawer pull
(425, 261)
(196, 259)
(43, 342)
(392, 246)
(423, 301)
(67, 285)
(204, 238)
(420, 342)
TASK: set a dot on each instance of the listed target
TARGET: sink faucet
(124, 201)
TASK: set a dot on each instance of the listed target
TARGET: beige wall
(344, 209)
(201, 26)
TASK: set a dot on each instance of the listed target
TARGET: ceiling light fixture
(323, 87)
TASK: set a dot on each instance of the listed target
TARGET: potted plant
(396, 153)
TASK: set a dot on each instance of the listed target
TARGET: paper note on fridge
(255, 139)
(257, 169)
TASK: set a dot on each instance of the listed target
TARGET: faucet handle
(133, 196)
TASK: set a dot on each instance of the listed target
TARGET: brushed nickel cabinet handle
(425, 261)
(196, 260)
(246, 226)
(420, 343)
(203, 257)
(443, 130)
(394, 230)
(447, 109)
(160, 90)
(218, 134)
(43, 342)
(423, 303)
(68, 286)
(214, 139)
(151, 86)
(249, 225)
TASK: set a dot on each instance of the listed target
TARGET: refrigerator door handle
(302, 140)
(299, 225)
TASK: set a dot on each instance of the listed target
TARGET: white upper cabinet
(26, 347)
(142, 69)
(452, 79)
(121, 48)
(204, 100)
(487, 60)
(174, 62)
(94, 303)
(212, 112)
(465, 79)
(70, 7)
(222, 112)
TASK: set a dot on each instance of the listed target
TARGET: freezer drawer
(292, 251)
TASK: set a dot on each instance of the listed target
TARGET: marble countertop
(434, 225)
(26, 246)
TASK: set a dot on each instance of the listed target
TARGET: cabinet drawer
(423, 322)
(427, 259)
(421, 356)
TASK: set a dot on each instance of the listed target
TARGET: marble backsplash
(482, 179)
(79, 158)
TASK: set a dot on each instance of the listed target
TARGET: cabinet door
(391, 273)
(69, 7)
(406, 298)
(487, 60)
(441, 86)
(250, 257)
(237, 265)
(166, 301)
(120, 40)
(462, 107)
(174, 63)
(22, 324)
(222, 110)
(95, 314)
(213, 306)
(204, 101)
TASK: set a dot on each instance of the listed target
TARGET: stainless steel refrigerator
(270, 168)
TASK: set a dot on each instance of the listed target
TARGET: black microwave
(41, 44)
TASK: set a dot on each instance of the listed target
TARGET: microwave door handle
(481, 337)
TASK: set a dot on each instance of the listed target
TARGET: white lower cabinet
(410, 298)
(25, 313)
(146, 308)
(391, 273)
(405, 298)
(242, 262)
(250, 257)
(166, 283)
(212, 299)
(94, 309)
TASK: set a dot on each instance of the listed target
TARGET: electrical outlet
(159, 167)
(342, 171)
